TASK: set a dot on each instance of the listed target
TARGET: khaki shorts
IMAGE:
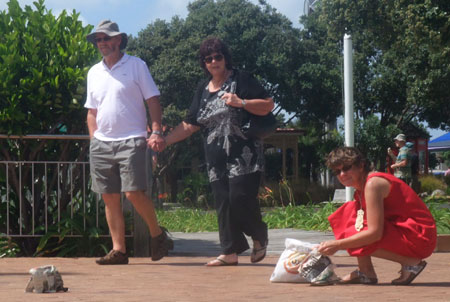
(118, 166)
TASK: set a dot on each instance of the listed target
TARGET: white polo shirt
(118, 94)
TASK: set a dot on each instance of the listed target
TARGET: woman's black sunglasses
(216, 58)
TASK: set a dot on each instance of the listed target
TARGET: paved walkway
(183, 277)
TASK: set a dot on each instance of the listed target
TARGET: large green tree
(318, 79)
(262, 41)
(401, 57)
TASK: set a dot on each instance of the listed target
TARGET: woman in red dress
(386, 220)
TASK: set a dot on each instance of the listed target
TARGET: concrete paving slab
(182, 276)
(207, 243)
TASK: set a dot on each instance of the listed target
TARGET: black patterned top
(228, 151)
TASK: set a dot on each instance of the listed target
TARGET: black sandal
(259, 254)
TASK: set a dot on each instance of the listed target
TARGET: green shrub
(447, 182)
(306, 217)
(429, 183)
(196, 192)
(442, 217)
(8, 248)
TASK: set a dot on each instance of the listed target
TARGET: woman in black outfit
(220, 107)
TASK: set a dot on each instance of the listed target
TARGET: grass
(188, 220)
(306, 217)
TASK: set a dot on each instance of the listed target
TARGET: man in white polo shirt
(116, 90)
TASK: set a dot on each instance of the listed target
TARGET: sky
(132, 16)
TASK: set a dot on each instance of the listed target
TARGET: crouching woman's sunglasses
(343, 169)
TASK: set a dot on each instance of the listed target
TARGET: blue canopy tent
(442, 143)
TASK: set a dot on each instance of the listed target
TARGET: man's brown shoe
(160, 246)
(113, 257)
(170, 243)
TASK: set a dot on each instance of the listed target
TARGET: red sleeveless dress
(409, 227)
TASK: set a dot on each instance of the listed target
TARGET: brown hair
(346, 156)
(212, 45)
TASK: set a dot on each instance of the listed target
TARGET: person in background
(391, 157)
(116, 90)
(415, 182)
(447, 173)
(386, 220)
(402, 166)
(234, 161)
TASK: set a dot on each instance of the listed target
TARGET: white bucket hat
(110, 29)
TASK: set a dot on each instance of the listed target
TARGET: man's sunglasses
(343, 169)
(216, 58)
(106, 39)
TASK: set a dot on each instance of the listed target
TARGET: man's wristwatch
(243, 102)
(157, 132)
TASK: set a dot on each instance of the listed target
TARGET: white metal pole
(348, 101)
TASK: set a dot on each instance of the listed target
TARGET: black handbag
(257, 126)
(260, 126)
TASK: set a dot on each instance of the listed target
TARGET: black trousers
(238, 212)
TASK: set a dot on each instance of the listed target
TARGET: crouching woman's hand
(329, 247)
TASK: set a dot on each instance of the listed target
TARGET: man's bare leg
(116, 222)
(144, 206)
